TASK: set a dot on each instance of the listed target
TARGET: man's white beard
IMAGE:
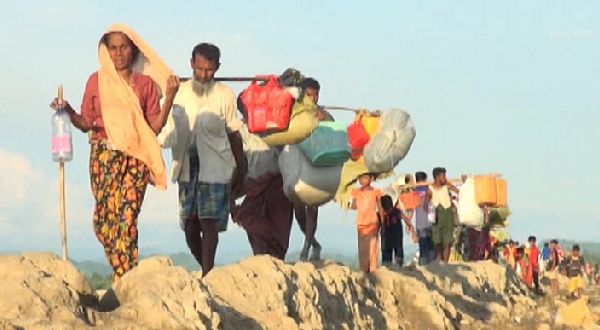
(200, 88)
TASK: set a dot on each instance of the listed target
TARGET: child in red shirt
(525, 264)
(510, 253)
(534, 253)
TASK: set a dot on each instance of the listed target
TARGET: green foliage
(99, 272)
(100, 282)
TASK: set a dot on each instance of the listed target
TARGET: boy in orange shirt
(366, 200)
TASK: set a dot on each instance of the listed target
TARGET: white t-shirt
(205, 121)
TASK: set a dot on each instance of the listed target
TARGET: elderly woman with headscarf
(122, 111)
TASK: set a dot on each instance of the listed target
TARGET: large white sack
(391, 144)
(304, 183)
(469, 212)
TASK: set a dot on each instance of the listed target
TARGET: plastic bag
(267, 107)
(391, 143)
(469, 212)
(304, 183)
(302, 123)
(327, 145)
(360, 131)
(357, 138)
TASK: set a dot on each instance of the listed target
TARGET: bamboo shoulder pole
(63, 219)
(61, 194)
(239, 79)
(430, 182)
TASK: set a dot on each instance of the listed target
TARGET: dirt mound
(42, 292)
(37, 290)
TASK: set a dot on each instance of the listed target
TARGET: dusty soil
(39, 291)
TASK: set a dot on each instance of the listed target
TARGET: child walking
(366, 200)
(524, 266)
(574, 269)
(392, 245)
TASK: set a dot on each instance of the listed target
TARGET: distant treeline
(99, 272)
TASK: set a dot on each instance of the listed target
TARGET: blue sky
(507, 87)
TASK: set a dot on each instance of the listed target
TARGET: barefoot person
(367, 201)
(307, 216)
(206, 146)
(524, 266)
(533, 257)
(510, 252)
(553, 265)
(574, 268)
(121, 109)
(443, 228)
(266, 214)
(423, 225)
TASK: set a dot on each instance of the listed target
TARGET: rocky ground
(39, 291)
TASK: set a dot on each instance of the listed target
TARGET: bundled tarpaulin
(391, 143)
(304, 183)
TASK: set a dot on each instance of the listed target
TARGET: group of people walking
(378, 214)
(133, 107)
(551, 262)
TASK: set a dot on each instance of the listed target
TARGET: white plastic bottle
(62, 147)
(431, 213)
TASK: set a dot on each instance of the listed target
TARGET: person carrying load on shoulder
(366, 200)
(266, 214)
(208, 156)
(121, 112)
(445, 221)
(307, 216)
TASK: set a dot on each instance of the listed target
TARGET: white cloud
(29, 207)
(29, 203)
(578, 33)
(16, 169)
